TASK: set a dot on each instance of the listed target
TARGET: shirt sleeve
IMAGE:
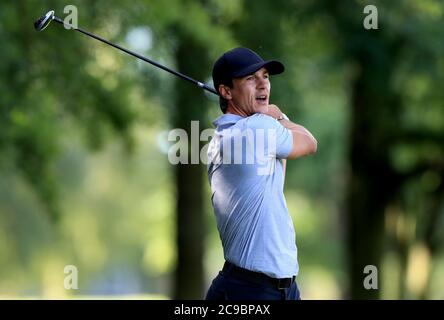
(284, 143)
(271, 136)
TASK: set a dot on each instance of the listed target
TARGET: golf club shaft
(180, 75)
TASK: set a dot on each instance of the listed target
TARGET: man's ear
(225, 92)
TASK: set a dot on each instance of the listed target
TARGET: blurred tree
(196, 38)
(378, 122)
(191, 105)
(53, 79)
(41, 77)
(67, 77)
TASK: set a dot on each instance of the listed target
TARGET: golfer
(246, 171)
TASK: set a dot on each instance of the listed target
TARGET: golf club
(45, 20)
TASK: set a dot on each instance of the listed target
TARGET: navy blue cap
(241, 62)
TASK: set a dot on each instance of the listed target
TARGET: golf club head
(44, 21)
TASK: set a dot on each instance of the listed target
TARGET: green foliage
(82, 130)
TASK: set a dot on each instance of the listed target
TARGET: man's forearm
(296, 128)
(303, 141)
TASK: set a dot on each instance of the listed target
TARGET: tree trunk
(191, 105)
(372, 181)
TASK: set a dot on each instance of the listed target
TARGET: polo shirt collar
(226, 119)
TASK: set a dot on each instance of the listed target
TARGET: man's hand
(273, 111)
(303, 141)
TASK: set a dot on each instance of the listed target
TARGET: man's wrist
(283, 116)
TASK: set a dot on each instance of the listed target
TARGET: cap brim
(272, 66)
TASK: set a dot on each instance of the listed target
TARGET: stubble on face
(251, 93)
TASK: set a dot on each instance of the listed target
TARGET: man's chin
(261, 108)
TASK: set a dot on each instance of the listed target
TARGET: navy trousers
(228, 286)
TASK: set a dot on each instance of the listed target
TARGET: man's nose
(262, 83)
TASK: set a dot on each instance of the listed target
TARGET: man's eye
(250, 78)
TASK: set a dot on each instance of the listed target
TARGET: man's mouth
(261, 98)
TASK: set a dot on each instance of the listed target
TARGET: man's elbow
(314, 146)
(305, 149)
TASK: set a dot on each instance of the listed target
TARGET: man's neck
(232, 109)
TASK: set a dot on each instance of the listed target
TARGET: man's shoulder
(260, 121)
